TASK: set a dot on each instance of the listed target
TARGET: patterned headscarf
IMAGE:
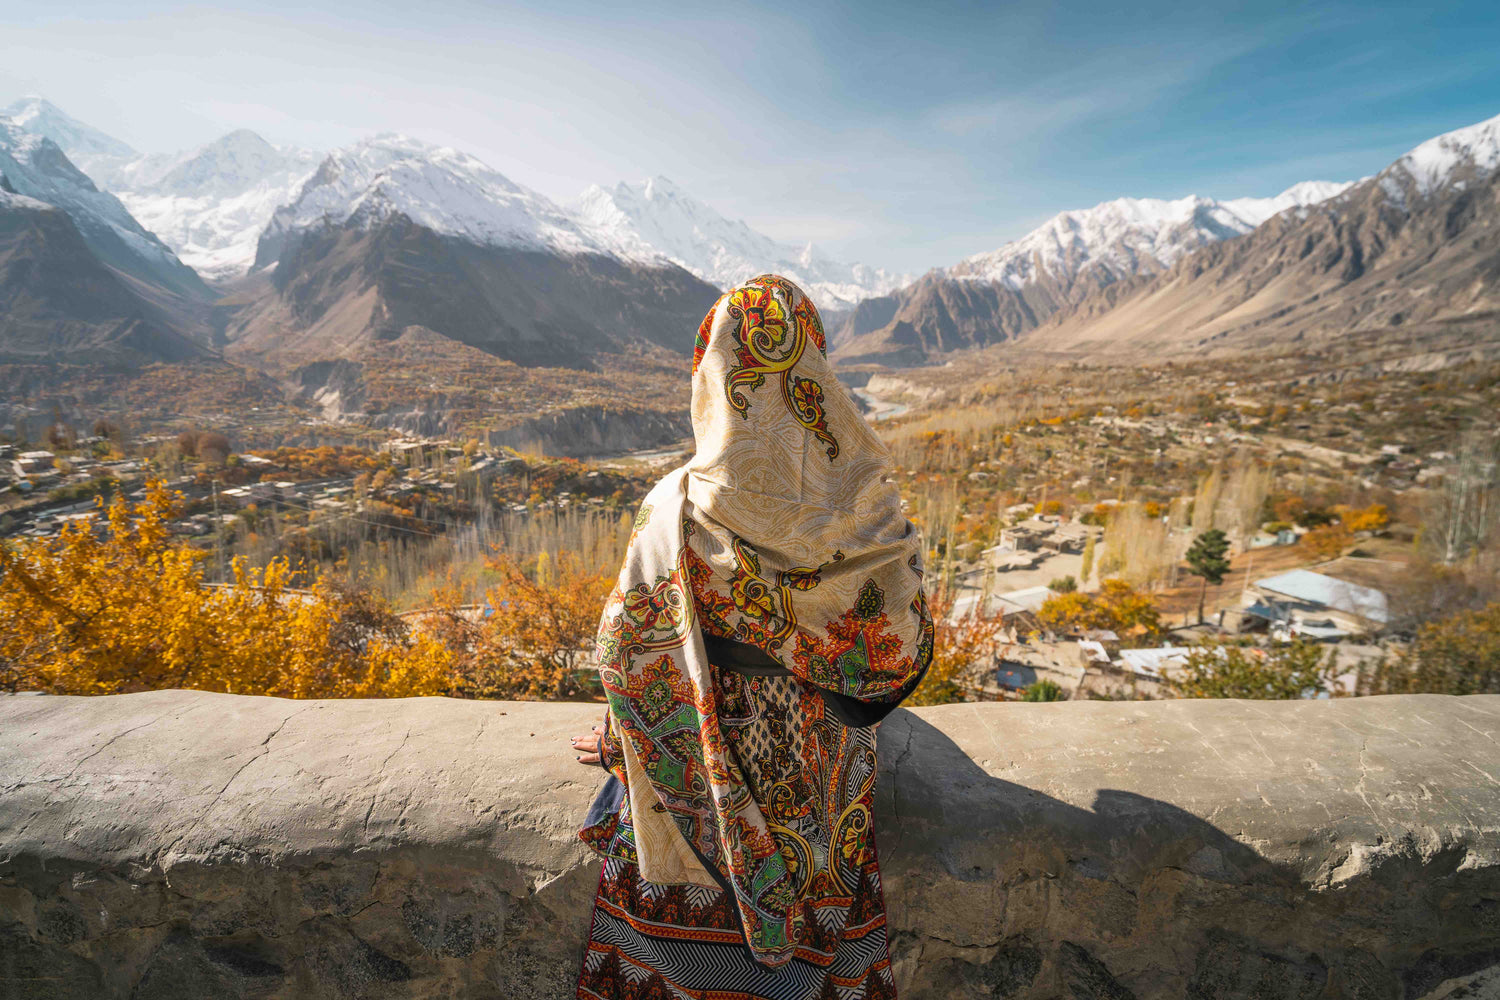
(785, 532)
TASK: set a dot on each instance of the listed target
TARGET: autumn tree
(1206, 559)
(533, 637)
(213, 447)
(1116, 606)
(1298, 669)
(961, 651)
(1328, 541)
(1375, 517)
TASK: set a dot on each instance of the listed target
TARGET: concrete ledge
(182, 844)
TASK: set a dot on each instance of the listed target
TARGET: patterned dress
(674, 942)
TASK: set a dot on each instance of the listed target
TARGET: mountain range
(1007, 292)
(1416, 246)
(315, 256)
(391, 238)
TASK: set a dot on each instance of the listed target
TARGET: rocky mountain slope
(659, 216)
(394, 239)
(37, 167)
(1000, 295)
(1416, 245)
(60, 302)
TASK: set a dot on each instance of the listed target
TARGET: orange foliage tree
(533, 637)
(961, 650)
(1329, 541)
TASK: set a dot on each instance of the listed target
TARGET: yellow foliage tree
(126, 609)
(1375, 517)
(1116, 606)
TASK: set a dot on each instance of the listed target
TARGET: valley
(389, 365)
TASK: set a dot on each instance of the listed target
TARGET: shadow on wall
(997, 890)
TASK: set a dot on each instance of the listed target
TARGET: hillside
(59, 301)
(337, 291)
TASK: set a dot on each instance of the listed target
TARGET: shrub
(1043, 690)
(127, 609)
(960, 651)
(1298, 669)
(1456, 655)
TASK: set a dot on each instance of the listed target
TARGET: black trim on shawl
(743, 658)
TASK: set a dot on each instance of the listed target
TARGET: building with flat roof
(1318, 606)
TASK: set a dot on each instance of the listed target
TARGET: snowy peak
(36, 166)
(658, 214)
(1465, 154)
(1258, 210)
(41, 117)
(1130, 236)
(441, 189)
(230, 165)
(211, 204)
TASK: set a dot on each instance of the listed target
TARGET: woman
(769, 613)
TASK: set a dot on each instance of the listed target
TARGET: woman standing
(769, 613)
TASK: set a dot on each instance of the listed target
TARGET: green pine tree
(1206, 558)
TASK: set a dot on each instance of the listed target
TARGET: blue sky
(905, 135)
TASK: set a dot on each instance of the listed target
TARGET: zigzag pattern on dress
(689, 968)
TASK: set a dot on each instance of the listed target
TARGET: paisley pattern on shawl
(783, 532)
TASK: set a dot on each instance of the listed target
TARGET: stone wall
(190, 845)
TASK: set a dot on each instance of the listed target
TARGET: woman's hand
(589, 746)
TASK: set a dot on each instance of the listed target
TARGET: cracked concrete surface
(183, 844)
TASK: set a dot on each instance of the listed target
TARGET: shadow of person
(996, 888)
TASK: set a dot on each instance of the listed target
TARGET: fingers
(589, 758)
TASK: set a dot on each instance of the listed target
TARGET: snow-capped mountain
(1007, 292)
(37, 167)
(209, 205)
(442, 190)
(1130, 236)
(212, 204)
(394, 240)
(661, 216)
(40, 116)
(1463, 156)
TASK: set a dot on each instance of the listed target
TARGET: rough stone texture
(190, 845)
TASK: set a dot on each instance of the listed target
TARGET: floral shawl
(787, 529)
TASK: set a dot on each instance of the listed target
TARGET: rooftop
(1330, 592)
